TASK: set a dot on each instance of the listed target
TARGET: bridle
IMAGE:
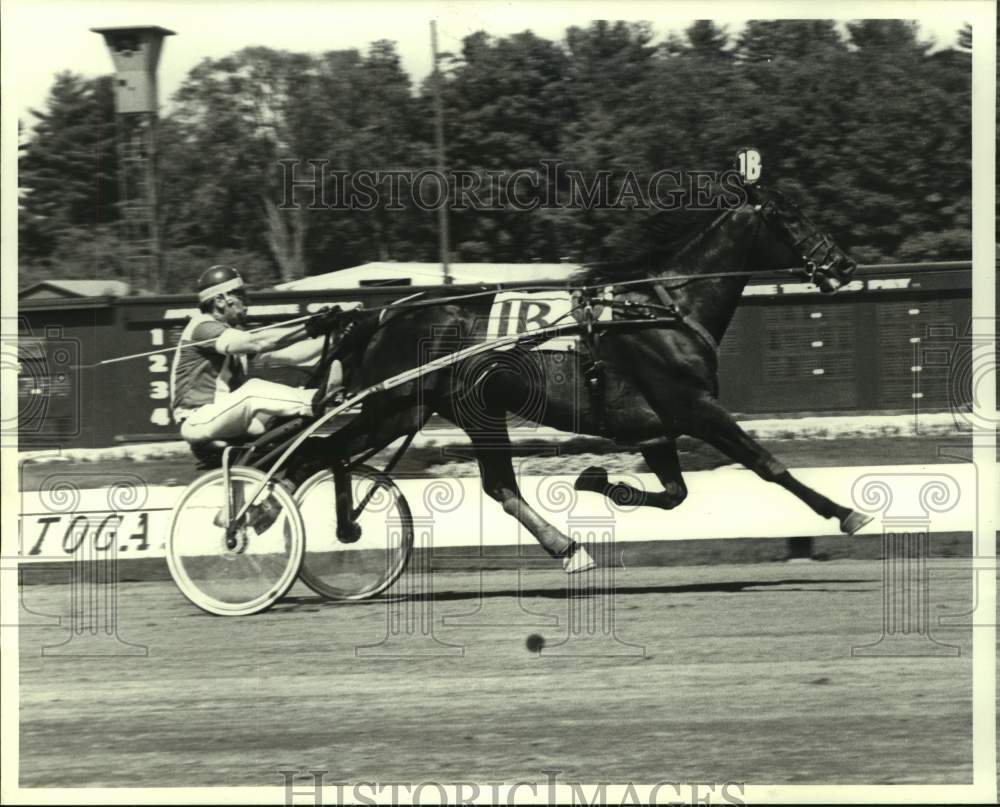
(817, 251)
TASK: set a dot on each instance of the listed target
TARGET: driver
(210, 394)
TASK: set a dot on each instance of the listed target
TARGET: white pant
(244, 412)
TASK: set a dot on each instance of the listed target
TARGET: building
(391, 273)
(73, 290)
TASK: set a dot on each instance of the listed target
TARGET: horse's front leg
(707, 420)
(661, 457)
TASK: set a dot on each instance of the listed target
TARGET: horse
(646, 376)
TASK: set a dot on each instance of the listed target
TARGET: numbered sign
(748, 163)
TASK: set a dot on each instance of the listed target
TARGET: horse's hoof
(853, 522)
(578, 561)
(594, 479)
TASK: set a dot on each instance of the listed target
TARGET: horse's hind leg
(491, 444)
(661, 457)
(709, 421)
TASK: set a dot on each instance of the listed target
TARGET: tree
(787, 40)
(251, 123)
(870, 132)
(610, 64)
(884, 37)
(705, 38)
(908, 144)
(964, 42)
(505, 106)
(607, 63)
(238, 117)
(67, 169)
(371, 123)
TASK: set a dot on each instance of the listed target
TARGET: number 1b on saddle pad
(516, 312)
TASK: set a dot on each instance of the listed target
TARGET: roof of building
(392, 273)
(74, 288)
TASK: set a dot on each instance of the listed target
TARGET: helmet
(218, 280)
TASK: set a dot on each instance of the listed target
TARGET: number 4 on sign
(749, 164)
(160, 416)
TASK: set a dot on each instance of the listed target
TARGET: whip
(189, 344)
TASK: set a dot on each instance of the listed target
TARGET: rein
(685, 279)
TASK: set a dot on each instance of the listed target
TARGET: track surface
(747, 676)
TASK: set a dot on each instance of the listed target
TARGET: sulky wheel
(360, 556)
(246, 567)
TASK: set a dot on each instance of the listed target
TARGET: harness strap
(688, 321)
(593, 371)
(697, 329)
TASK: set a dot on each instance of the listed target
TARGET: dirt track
(736, 673)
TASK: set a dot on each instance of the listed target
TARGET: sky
(44, 37)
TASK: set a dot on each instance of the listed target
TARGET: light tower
(135, 52)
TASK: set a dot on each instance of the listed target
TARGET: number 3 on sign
(748, 163)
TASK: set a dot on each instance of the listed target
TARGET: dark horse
(639, 384)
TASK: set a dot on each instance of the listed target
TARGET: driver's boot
(262, 515)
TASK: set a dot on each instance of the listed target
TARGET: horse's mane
(647, 243)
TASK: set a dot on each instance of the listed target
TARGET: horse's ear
(749, 165)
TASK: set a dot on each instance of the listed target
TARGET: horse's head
(823, 262)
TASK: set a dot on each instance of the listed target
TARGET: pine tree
(68, 165)
(705, 38)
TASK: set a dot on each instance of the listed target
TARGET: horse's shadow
(575, 591)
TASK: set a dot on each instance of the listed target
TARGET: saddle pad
(516, 312)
